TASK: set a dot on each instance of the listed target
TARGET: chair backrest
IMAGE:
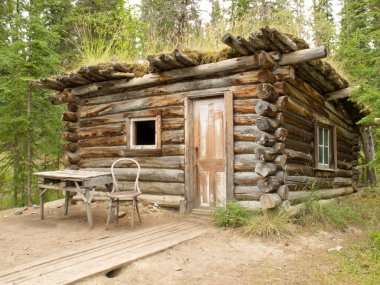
(115, 186)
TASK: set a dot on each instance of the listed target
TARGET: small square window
(143, 132)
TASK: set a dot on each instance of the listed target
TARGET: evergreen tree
(216, 12)
(323, 24)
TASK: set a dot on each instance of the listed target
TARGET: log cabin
(266, 125)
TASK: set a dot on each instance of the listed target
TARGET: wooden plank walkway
(102, 256)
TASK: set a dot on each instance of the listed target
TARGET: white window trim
(132, 132)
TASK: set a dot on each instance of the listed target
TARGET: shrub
(273, 223)
(375, 238)
(231, 215)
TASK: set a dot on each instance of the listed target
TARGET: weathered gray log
(157, 188)
(265, 168)
(185, 60)
(71, 158)
(280, 134)
(280, 161)
(270, 201)
(265, 61)
(265, 153)
(104, 141)
(246, 44)
(102, 151)
(231, 41)
(165, 201)
(175, 149)
(171, 61)
(248, 192)
(269, 184)
(280, 147)
(157, 65)
(101, 131)
(369, 153)
(339, 94)
(266, 109)
(267, 92)
(244, 162)
(265, 139)
(298, 155)
(246, 133)
(243, 147)
(283, 192)
(285, 73)
(298, 196)
(146, 174)
(303, 55)
(266, 124)
(166, 162)
(173, 137)
(250, 205)
(246, 178)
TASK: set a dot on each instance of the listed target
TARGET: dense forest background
(40, 38)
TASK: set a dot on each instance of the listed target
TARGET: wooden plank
(66, 268)
(229, 137)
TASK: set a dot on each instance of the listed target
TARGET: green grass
(232, 215)
(274, 223)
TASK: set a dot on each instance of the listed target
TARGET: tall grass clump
(269, 224)
(332, 215)
(232, 215)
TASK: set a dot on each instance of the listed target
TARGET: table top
(68, 174)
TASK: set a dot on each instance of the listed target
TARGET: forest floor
(223, 256)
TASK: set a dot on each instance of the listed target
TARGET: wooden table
(73, 181)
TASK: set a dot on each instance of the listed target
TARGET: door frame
(191, 180)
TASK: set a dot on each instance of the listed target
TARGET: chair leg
(132, 214)
(110, 213)
(117, 212)
(137, 210)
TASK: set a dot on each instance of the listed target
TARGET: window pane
(145, 132)
(326, 137)
(326, 155)
(320, 154)
(320, 134)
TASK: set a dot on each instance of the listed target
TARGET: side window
(325, 146)
(143, 131)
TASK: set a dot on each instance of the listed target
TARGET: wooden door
(209, 151)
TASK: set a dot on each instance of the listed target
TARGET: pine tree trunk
(369, 153)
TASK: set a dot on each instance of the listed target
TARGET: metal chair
(117, 196)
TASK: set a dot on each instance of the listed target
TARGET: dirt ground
(219, 257)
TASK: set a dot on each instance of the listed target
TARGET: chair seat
(124, 195)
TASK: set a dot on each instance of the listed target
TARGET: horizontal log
(70, 117)
(297, 169)
(245, 162)
(299, 196)
(245, 106)
(296, 120)
(283, 192)
(245, 120)
(172, 124)
(175, 149)
(270, 201)
(265, 153)
(265, 168)
(298, 155)
(71, 147)
(248, 193)
(246, 178)
(157, 188)
(102, 131)
(110, 151)
(266, 109)
(298, 145)
(250, 205)
(303, 55)
(267, 92)
(70, 137)
(71, 158)
(104, 120)
(146, 174)
(71, 127)
(279, 147)
(231, 41)
(339, 94)
(173, 137)
(166, 162)
(165, 201)
(269, 184)
(104, 141)
(246, 133)
(245, 147)
(266, 124)
(221, 67)
(285, 73)
(299, 134)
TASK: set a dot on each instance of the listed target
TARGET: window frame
(146, 115)
(332, 146)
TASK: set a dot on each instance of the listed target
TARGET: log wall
(305, 106)
(273, 134)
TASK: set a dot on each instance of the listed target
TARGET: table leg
(67, 202)
(88, 196)
(42, 192)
